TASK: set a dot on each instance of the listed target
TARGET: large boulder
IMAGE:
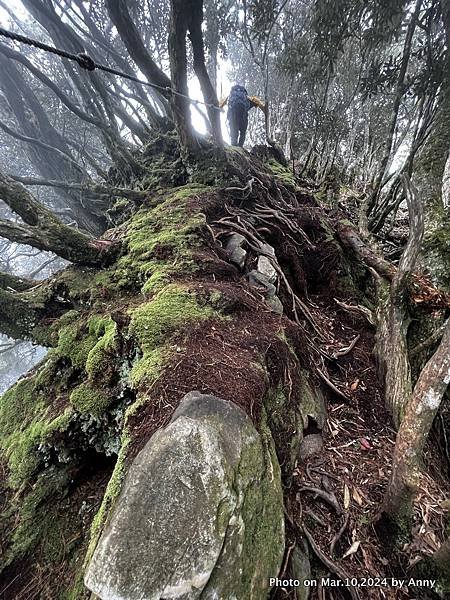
(200, 514)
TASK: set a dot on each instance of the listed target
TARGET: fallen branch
(330, 384)
(345, 351)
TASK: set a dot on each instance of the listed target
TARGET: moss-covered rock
(221, 479)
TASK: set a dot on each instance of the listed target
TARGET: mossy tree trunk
(42, 229)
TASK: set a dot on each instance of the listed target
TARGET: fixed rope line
(88, 63)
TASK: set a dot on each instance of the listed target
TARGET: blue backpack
(238, 98)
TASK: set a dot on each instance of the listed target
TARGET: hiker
(239, 103)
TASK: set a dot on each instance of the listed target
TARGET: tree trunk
(195, 8)
(418, 417)
(179, 20)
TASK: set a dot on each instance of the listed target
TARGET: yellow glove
(258, 102)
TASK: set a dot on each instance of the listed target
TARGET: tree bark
(393, 318)
(178, 69)
(413, 433)
(208, 90)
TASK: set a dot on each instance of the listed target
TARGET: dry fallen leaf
(357, 497)
(353, 548)
(354, 385)
(365, 443)
(346, 496)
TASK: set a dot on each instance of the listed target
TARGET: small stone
(275, 304)
(258, 279)
(310, 446)
(264, 265)
(234, 250)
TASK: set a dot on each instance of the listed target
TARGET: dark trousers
(238, 120)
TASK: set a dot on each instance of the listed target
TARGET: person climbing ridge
(239, 103)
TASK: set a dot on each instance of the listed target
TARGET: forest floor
(353, 469)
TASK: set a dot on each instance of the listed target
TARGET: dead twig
(330, 384)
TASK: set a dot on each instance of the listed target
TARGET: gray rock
(200, 514)
(264, 265)
(311, 445)
(234, 250)
(275, 304)
(258, 279)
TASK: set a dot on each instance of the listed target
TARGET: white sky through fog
(224, 83)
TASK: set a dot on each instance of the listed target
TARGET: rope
(88, 63)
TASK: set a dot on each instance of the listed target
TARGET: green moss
(98, 360)
(173, 307)
(75, 345)
(282, 173)
(160, 241)
(148, 368)
(153, 323)
(19, 406)
(87, 399)
(38, 522)
(21, 447)
(111, 493)
(262, 513)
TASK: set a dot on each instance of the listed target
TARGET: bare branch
(94, 189)
(37, 142)
(42, 229)
(14, 55)
(129, 34)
